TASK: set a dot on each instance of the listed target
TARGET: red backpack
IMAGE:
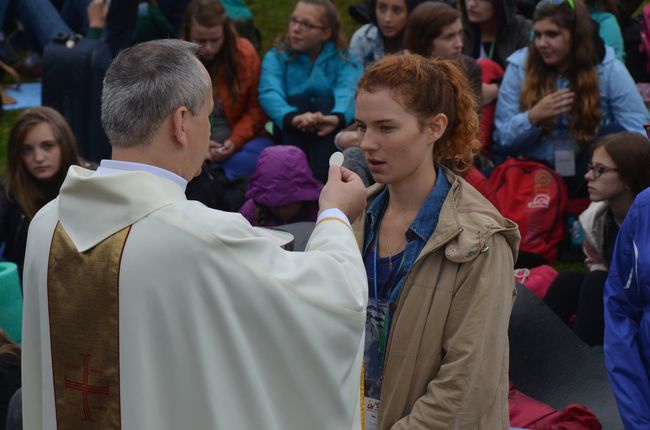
(535, 197)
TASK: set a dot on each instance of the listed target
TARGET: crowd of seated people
(551, 86)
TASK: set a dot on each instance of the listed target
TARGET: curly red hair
(427, 87)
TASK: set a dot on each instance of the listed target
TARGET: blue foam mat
(27, 95)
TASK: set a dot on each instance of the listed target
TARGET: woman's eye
(386, 128)
(26, 150)
(47, 145)
(361, 128)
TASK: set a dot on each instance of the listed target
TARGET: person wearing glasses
(561, 92)
(618, 171)
(308, 82)
(237, 136)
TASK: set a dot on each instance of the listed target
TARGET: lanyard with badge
(371, 403)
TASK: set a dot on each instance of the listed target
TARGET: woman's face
(479, 11)
(553, 43)
(449, 43)
(609, 184)
(391, 16)
(396, 146)
(307, 28)
(41, 153)
(210, 39)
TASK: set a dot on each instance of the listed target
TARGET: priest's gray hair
(147, 82)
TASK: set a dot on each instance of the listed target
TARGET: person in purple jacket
(282, 189)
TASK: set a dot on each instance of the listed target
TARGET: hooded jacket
(282, 176)
(447, 353)
(514, 34)
(627, 316)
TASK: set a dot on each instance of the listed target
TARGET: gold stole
(83, 300)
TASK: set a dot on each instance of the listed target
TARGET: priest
(143, 310)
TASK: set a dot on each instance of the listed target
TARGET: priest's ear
(180, 124)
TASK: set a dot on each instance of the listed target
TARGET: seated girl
(493, 30)
(238, 135)
(282, 189)
(308, 81)
(384, 34)
(41, 148)
(619, 170)
(439, 256)
(561, 92)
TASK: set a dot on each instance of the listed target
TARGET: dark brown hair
(540, 80)
(427, 87)
(425, 23)
(30, 193)
(211, 13)
(630, 152)
(7, 346)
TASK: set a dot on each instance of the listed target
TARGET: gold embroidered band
(83, 301)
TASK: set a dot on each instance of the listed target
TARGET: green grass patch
(271, 17)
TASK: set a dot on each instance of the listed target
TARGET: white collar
(109, 167)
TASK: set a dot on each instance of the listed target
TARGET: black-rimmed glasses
(599, 169)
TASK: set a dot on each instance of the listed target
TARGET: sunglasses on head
(542, 3)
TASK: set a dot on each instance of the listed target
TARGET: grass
(271, 18)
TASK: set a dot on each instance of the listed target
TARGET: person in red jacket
(238, 135)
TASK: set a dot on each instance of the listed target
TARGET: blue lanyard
(382, 334)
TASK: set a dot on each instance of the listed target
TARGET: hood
(282, 176)
(93, 207)
(466, 223)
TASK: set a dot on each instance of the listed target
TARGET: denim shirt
(418, 232)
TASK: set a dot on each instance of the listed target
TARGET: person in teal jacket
(563, 91)
(605, 13)
(308, 81)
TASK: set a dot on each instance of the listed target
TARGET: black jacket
(515, 32)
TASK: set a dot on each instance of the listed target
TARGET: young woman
(493, 29)
(384, 34)
(563, 91)
(617, 173)
(41, 147)
(308, 81)
(435, 30)
(238, 135)
(439, 257)
(282, 189)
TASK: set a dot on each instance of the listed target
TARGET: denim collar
(424, 223)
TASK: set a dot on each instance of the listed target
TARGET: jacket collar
(112, 202)
(466, 222)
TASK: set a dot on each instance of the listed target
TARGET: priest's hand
(345, 191)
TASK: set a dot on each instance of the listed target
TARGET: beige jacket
(447, 357)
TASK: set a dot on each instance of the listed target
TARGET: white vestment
(219, 328)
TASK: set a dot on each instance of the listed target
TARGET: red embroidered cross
(85, 388)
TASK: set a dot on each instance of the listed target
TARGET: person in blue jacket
(562, 91)
(627, 317)
(308, 81)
